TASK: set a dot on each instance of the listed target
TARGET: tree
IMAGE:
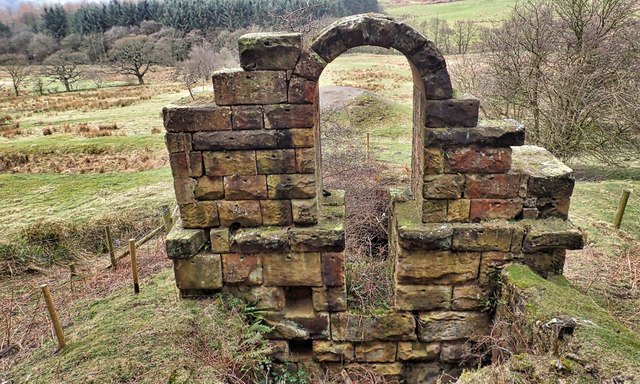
(571, 69)
(54, 20)
(133, 56)
(4, 30)
(64, 66)
(463, 33)
(16, 67)
(41, 46)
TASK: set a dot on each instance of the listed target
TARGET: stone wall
(256, 223)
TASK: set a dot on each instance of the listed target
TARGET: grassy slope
(478, 10)
(599, 340)
(140, 338)
(27, 198)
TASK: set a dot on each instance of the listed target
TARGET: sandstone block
(245, 213)
(310, 65)
(333, 269)
(530, 213)
(202, 271)
(487, 209)
(456, 352)
(422, 373)
(438, 85)
(347, 326)
(382, 31)
(244, 269)
(452, 113)
(477, 237)
(301, 90)
(392, 371)
(428, 60)
(354, 30)
(232, 87)
(468, 298)
(433, 161)
(330, 299)
(232, 140)
(491, 133)
(274, 50)
(177, 142)
(331, 351)
(209, 188)
(317, 239)
(184, 189)
(281, 116)
(418, 351)
(447, 326)
(276, 212)
(184, 243)
(194, 119)
(329, 44)
(243, 187)
(422, 297)
(434, 211)
(276, 161)
(459, 210)
(279, 350)
(219, 240)
(226, 163)
(436, 267)
(545, 263)
(269, 298)
(247, 117)
(293, 270)
(552, 234)
(315, 327)
(492, 186)
(296, 138)
(492, 263)
(517, 239)
(548, 176)
(549, 207)
(482, 160)
(291, 186)
(202, 214)
(408, 40)
(305, 160)
(376, 352)
(259, 240)
(185, 165)
(443, 186)
(426, 237)
(305, 212)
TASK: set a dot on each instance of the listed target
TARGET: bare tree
(65, 67)
(463, 34)
(570, 69)
(133, 56)
(16, 67)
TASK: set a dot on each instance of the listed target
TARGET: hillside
(416, 11)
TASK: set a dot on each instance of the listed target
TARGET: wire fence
(25, 321)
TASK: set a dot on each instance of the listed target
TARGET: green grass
(29, 198)
(476, 10)
(64, 144)
(145, 338)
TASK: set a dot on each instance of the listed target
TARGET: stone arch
(429, 69)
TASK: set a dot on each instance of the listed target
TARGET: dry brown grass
(8, 127)
(373, 80)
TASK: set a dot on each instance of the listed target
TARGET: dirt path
(333, 97)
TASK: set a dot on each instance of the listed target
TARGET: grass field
(414, 12)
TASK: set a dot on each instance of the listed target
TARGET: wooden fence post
(73, 273)
(168, 219)
(368, 148)
(134, 265)
(54, 316)
(112, 252)
(621, 207)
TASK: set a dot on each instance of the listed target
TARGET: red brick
(241, 187)
(484, 209)
(493, 186)
(477, 160)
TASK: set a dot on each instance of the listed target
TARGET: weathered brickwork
(255, 223)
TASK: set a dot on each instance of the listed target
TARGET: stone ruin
(255, 222)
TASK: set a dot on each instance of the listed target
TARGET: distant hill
(415, 11)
